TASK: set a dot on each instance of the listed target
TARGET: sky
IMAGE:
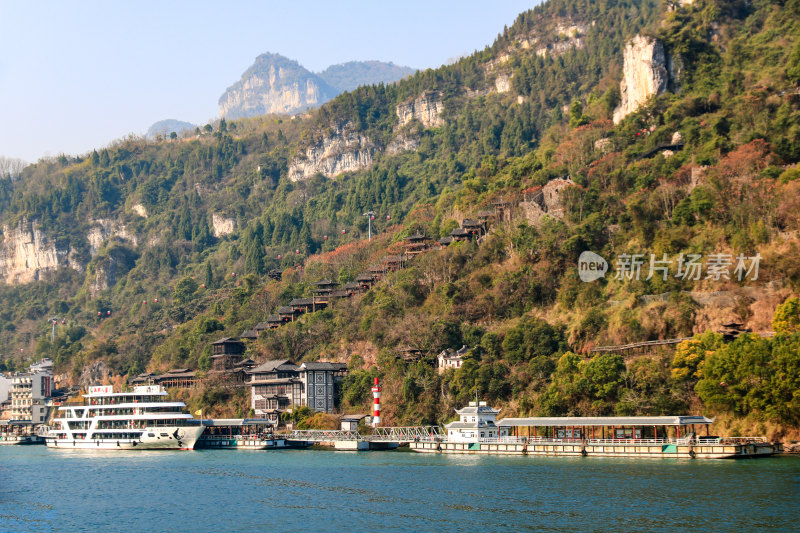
(77, 75)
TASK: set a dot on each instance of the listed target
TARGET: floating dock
(476, 432)
(662, 448)
(239, 434)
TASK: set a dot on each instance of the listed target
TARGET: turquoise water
(302, 490)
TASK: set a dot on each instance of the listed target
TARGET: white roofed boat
(141, 419)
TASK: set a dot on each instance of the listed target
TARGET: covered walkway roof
(236, 422)
(566, 421)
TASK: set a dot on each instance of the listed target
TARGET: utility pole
(54, 320)
(370, 217)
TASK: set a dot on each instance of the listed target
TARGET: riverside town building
(278, 385)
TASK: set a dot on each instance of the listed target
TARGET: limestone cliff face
(645, 74)
(26, 253)
(343, 151)
(103, 229)
(222, 226)
(427, 109)
(274, 84)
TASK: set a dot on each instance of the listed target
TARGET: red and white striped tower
(376, 408)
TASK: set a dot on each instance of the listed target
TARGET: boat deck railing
(237, 437)
(611, 442)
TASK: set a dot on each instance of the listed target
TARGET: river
(298, 490)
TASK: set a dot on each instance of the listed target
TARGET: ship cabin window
(151, 434)
(165, 434)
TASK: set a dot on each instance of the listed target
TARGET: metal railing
(382, 434)
(406, 433)
(323, 435)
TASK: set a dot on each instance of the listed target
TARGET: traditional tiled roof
(226, 340)
(272, 365)
(324, 365)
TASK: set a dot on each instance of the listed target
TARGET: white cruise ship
(139, 420)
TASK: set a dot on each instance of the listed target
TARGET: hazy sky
(77, 75)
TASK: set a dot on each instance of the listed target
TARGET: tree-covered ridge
(515, 298)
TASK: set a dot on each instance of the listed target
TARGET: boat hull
(162, 438)
(680, 451)
(239, 444)
(21, 441)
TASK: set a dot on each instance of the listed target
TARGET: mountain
(348, 76)
(664, 139)
(165, 127)
(276, 84)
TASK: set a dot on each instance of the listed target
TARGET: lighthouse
(376, 408)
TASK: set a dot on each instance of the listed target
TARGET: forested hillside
(159, 248)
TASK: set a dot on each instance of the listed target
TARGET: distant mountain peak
(167, 126)
(278, 84)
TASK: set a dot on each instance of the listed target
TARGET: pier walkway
(383, 438)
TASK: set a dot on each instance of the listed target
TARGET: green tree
(786, 319)
(185, 290)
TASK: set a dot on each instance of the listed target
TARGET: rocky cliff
(26, 253)
(427, 108)
(645, 74)
(276, 84)
(343, 151)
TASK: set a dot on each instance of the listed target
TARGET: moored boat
(477, 432)
(141, 419)
(239, 434)
(16, 432)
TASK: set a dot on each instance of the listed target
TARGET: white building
(5, 387)
(28, 395)
(476, 421)
(451, 359)
(45, 365)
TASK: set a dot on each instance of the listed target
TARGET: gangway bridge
(388, 435)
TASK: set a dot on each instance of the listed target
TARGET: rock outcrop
(104, 229)
(26, 253)
(427, 109)
(343, 151)
(402, 143)
(110, 265)
(222, 226)
(97, 373)
(546, 200)
(645, 74)
(140, 210)
(502, 83)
